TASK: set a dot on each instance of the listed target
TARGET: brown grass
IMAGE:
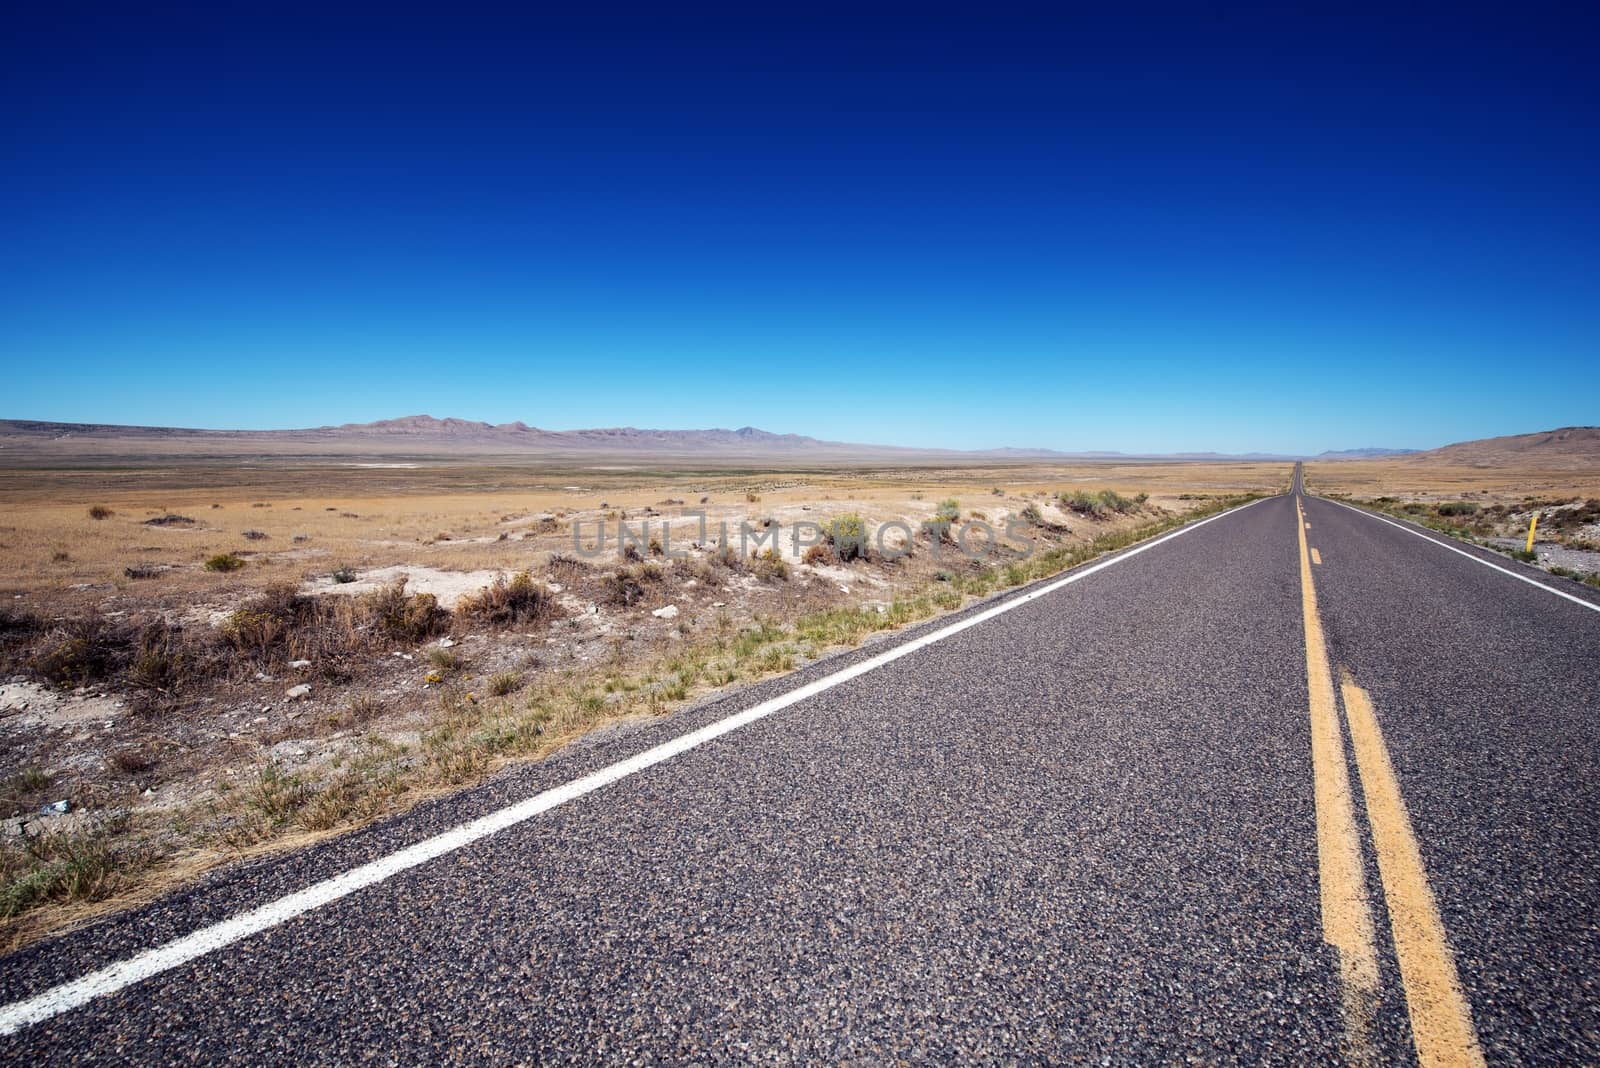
(175, 635)
(512, 602)
(1434, 481)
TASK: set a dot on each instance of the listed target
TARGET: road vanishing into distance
(1295, 784)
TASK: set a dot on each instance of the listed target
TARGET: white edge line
(1590, 605)
(115, 977)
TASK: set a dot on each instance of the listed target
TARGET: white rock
(299, 663)
(666, 613)
(294, 693)
(719, 604)
(844, 589)
(446, 643)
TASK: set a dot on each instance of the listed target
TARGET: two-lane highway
(1487, 690)
(1087, 820)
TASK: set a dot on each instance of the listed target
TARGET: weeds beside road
(1482, 524)
(124, 853)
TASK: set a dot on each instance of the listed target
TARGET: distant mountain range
(422, 435)
(1571, 447)
(1360, 454)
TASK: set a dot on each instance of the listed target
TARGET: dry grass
(392, 722)
(516, 601)
(1419, 480)
(318, 517)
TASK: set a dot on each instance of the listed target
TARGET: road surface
(1297, 784)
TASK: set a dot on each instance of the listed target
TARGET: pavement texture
(1488, 692)
(1082, 831)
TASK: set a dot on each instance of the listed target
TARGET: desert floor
(348, 663)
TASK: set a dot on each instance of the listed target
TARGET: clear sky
(1235, 230)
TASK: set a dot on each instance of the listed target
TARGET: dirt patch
(28, 706)
(448, 587)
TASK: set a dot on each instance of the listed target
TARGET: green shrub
(504, 683)
(1112, 501)
(769, 565)
(1080, 502)
(1448, 508)
(65, 865)
(100, 511)
(944, 518)
(446, 660)
(277, 795)
(847, 536)
(224, 562)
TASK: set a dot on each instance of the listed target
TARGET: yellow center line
(1316, 557)
(1346, 911)
(1441, 1019)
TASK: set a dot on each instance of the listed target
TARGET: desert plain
(204, 656)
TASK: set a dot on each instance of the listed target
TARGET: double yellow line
(1441, 1019)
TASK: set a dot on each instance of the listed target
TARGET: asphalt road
(1086, 828)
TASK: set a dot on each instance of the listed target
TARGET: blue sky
(1237, 230)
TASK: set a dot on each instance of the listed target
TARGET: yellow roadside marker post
(1534, 525)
